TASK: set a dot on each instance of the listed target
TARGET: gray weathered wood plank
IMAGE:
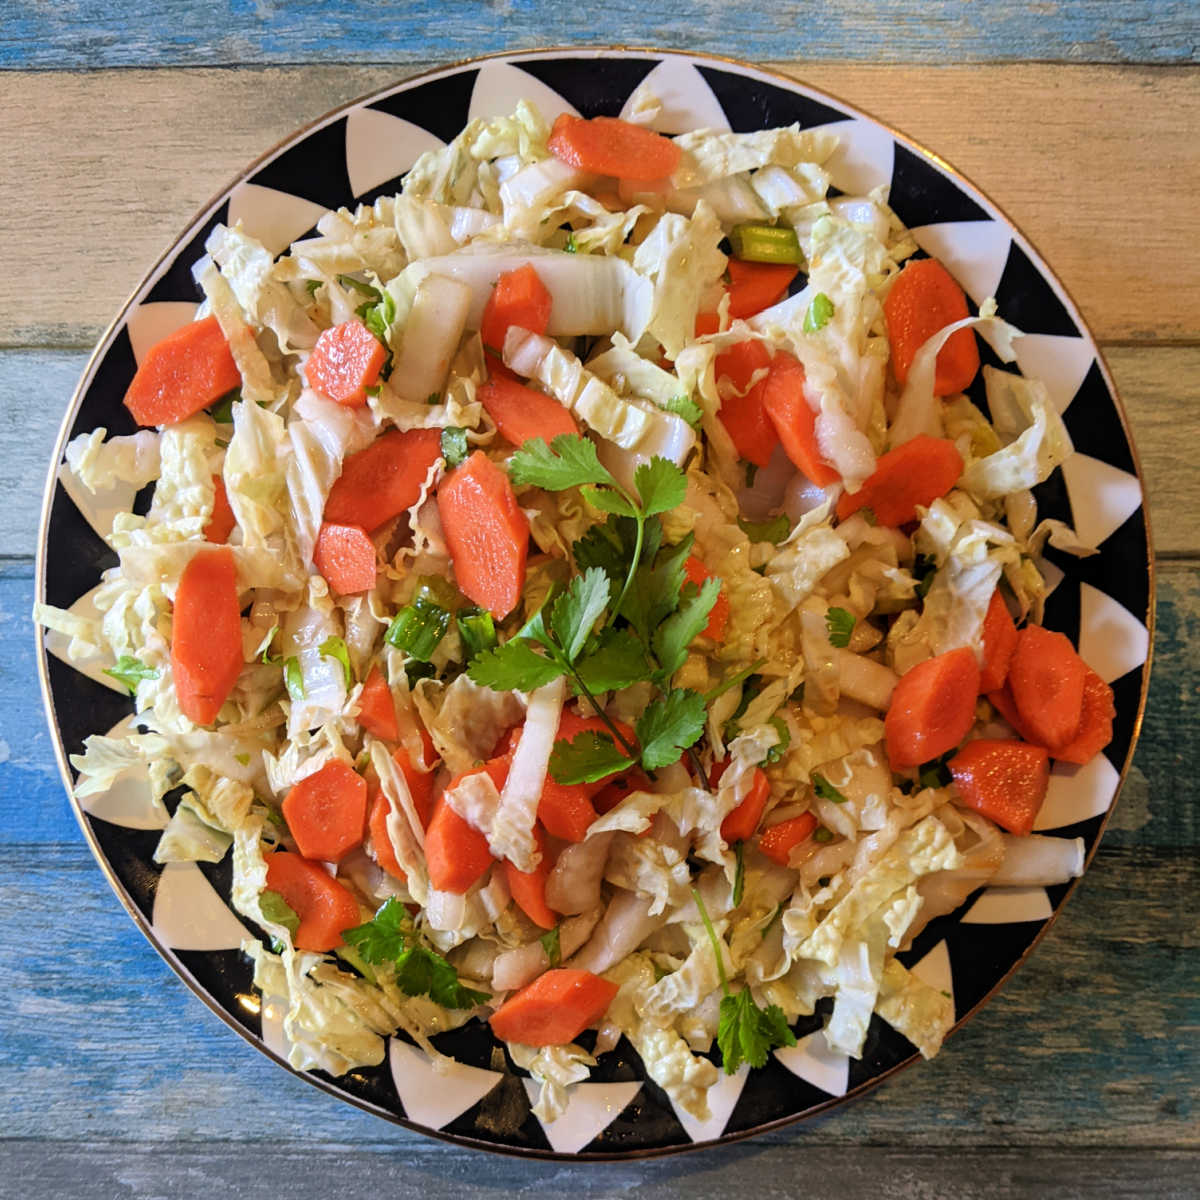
(178, 33)
(1063, 149)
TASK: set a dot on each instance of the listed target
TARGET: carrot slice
(754, 286)
(1001, 700)
(923, 299)
(345, 362)
(620, 788)
(778, 841)
(456, 853)
(326, 811)
(565, 809)
(1095, 722)
(745, 418)
(206, 634)
(325, 908)
(1005, 780)
(522, 412)
(999, 642)
(345, 557)
(182, 374)
(932, 708)
(610, 146)
(384, 480)
(519, 298)
(385, 855)
(377, 707)
(706, 323)
(487, 533)
(916, 473)
(528, 888)
(741, 823)
(718, 616)
(554, 1009)
(1046, 679)
(789, 411)
(220, 524)
(420, 784)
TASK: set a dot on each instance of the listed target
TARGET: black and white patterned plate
(1102, 603)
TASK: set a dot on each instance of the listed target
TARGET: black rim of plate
(597, 81)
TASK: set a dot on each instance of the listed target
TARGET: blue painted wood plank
(92, 33)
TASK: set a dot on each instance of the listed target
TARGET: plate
(1103, 603)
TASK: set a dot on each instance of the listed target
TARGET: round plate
(1102, 603)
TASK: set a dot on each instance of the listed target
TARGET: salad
(595, 589)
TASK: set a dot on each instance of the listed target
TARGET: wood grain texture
(91, 33)
(1062, 149)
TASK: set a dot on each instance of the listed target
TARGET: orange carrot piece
(456, 853)
(528, 888)
(745, 418)
(187, 371)
(420, 784)
(206, 634)
(932, 708)
(620, 788)
(345, 558)
(385, 855)
(999, 642)
(789, 411)
(220, 524)
(487, 533)
(1001, 700)
(741, 823)
(778, 841)
(916, 473)
(325, 908)
(326, 811)
(1046, 679)
(519, 298)
(610, 146)
(1095, 723)
(521, 412)
(707, 323)
(554, 1009)
(1005, 780)
(384, 480)
(923, 299)
(377, 707)
(345, 362)
(754, 286)
(718, 616)
(565, 809)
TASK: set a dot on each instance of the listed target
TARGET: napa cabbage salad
(579, 593)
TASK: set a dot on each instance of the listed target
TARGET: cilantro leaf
(454, 445)
(655, 591)
(129, 670)
(818, 314)
(669, 726)
(569, 461)
(334, 647)
(617, 661)
(552, 944)
(673, 637)
(825, 790)
(683, 406)
(601, 546)
(747, 1033)
(577, 610)
(293, 678)
(278, 911)
(590, 757)
(840, 624)
(384, 937)
(378, 317)
(774, 530)
(514, 666)
(606, 500)
(661, 485)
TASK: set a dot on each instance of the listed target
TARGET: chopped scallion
(756, 242)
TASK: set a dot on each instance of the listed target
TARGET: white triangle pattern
(934, 969)
(379, 147)
(1112, 641)
(863, 159)
(1077, 793)
(722, 1100)
(814, 1062)
(276, 218)
(434, 1095)
(500, 85)
(974, 252)
(150, 323)
(1103, 497)
(189, 914)
(1009, 906)
(591, 1109)
(687, 101)
(1061, 363)
(92, 665)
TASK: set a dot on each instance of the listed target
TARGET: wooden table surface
(1080, 119)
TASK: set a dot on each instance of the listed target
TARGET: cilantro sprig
(390, 937)
(840, 624)
(130, 671)
(745, 1032)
